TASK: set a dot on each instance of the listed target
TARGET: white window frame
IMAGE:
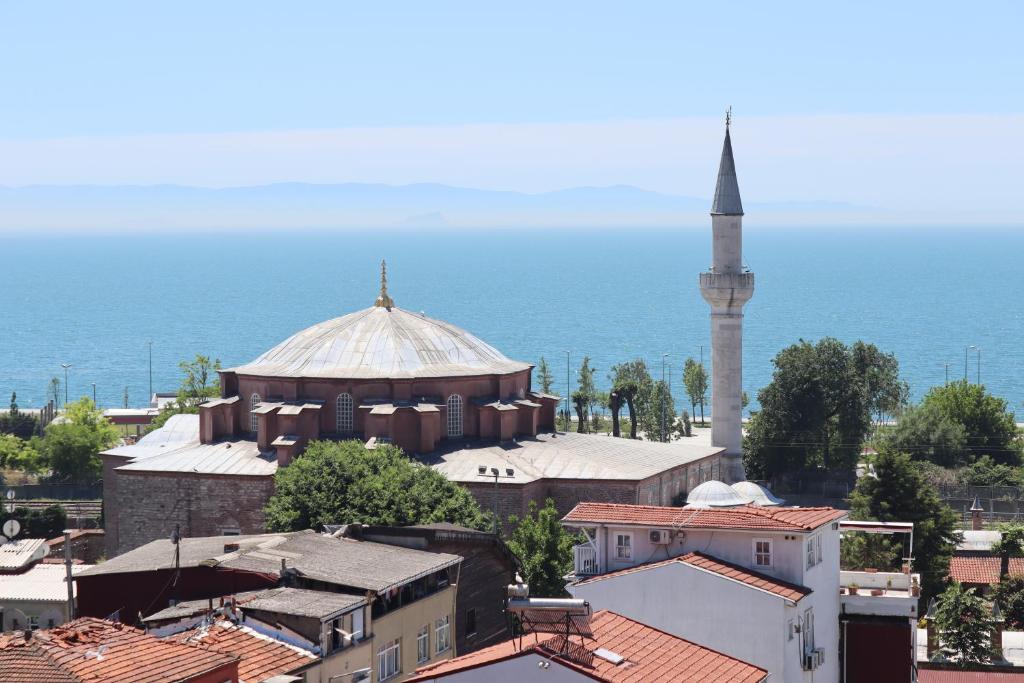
(343, 416)
(456, 427)
(620, 546)
(442, 634)
(809, 552)
(756, 555)
(254, 419)
(807, 631)
(817, 547)
(389, 660)
(423, 644)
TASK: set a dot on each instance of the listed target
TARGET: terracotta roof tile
(127, 654)
(260, 657)
(741, 517)
(725, 569)
(650, 655)
(984, 570)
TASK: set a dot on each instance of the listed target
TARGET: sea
(946, 301)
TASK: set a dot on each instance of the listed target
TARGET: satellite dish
(3, 539)
(11, 528)
(10, 494)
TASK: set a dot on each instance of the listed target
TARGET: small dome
(714, 494)
(756, 494)
(381, 343)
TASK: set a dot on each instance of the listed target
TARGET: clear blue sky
(99, 71)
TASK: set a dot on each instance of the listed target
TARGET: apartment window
(442, 635)
(813, 551)
(454, 416)
(254, 419)
(33, 622)
(388, 660)
(357, 625)
(471, 622)
(817, 547)
(423, 645)
(343, 414)
(807, 630)
(762, 552)
(623, 546)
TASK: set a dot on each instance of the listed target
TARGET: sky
(902, 107)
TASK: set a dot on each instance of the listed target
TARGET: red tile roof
(751, 578)
(983, 570)
(741, 517)
(650, 656)
(260, 657)
(127, 654)
(956, 676)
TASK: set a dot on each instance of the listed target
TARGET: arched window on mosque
(454, 416)
(343, 414)
(254, 419)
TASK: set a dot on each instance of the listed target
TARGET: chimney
(997, 633)
(977, 523)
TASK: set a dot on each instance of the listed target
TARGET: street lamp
(979, 365)
(94, 394)
(967, 349)
(568, 388)
(150, 343)
(664, 356)
(65, 366)
(482, 471)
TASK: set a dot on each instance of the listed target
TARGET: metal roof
(239, 457)
(756, 494)
(380, 343)
(41, 583)
(566, 456)
(17, 554)
(179, 430)
(715, 494)
(727, 190)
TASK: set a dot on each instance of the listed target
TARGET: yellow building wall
(405, 623)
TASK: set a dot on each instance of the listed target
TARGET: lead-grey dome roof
(379, 343)
(757, 494)
(714, 494)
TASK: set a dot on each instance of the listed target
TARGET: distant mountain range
(361, 205)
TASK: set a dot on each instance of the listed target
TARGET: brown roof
(741, 517)
(725, 569)
(984, 570)
(127, 654)
(649, 655)
(29, 663)
(259, 656)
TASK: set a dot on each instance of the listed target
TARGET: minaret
(726, 287)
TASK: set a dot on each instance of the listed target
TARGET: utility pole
(947, 373)
(568, 388)
(663, 357)
(150, 370)
(67, 574)
(94, 394)
(65, 366)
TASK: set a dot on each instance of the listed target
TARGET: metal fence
(56, 491)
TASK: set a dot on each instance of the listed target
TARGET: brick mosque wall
(147, 505)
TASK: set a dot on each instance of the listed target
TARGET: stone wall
(148, 505)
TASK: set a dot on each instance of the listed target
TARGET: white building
(762, 584)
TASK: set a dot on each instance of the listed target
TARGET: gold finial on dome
(384, 301)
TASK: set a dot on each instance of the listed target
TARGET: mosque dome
(381, 343)
(714, 494)
(756, 494)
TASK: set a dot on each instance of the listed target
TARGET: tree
(685, 427)
(585, 395)
(990, 427)
(544, 376)
(54, 392)
(987, 472)
(964, 625)
(1009, 594)
(695, 378)
(48, 522)
(631, 382)
(544, 549)
(886, 393)
(1010, 544)
(16, 422)
(898, 493)
(658, 412)
(19, 454)
(926, 433)
(816, 412)
(344, 482)
(71, 446)
(199, 382)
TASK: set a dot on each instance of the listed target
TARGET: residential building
(762, 584)
(973, 563)
(620, 650)
(354, 604)
(97, 650)
(488, 567)
(33, 593)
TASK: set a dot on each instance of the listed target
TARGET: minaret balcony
(727, 289)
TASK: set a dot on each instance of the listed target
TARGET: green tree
(685, 426)
(544, 549)
(199, 382)
(19, 454)
(989, 425)
(695, 378)
(544, 376)
(54, 391)
(987, 472)
(898, 493)
(631, 382)
(1009, 593)
(16, 422)
(48, 522)
(1010, 544)
(585, 395)
(816, 412)
(344, 482)
(886, 393)
(964, 624)
(72, 445)
(926, 433)
(658, 413)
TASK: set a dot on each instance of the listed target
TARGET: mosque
(441, 394)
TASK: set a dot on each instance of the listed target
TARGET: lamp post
(967, 350)
(150, 343)
(94, 394)
(664, 356)
(979, 365)
(947, 373)
(568, 388)
(65, 366)
(481, 471)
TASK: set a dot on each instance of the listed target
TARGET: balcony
(878, 593)
(584, 558)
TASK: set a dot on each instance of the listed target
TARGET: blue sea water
(94, 301)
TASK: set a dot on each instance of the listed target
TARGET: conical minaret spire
(727, 287)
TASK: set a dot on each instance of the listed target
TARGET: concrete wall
(46, 611)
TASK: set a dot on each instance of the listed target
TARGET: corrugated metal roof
(42, 583)
(377, 343)
(240, 457)
(17, 554)
(566, 456)
(179, 430)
